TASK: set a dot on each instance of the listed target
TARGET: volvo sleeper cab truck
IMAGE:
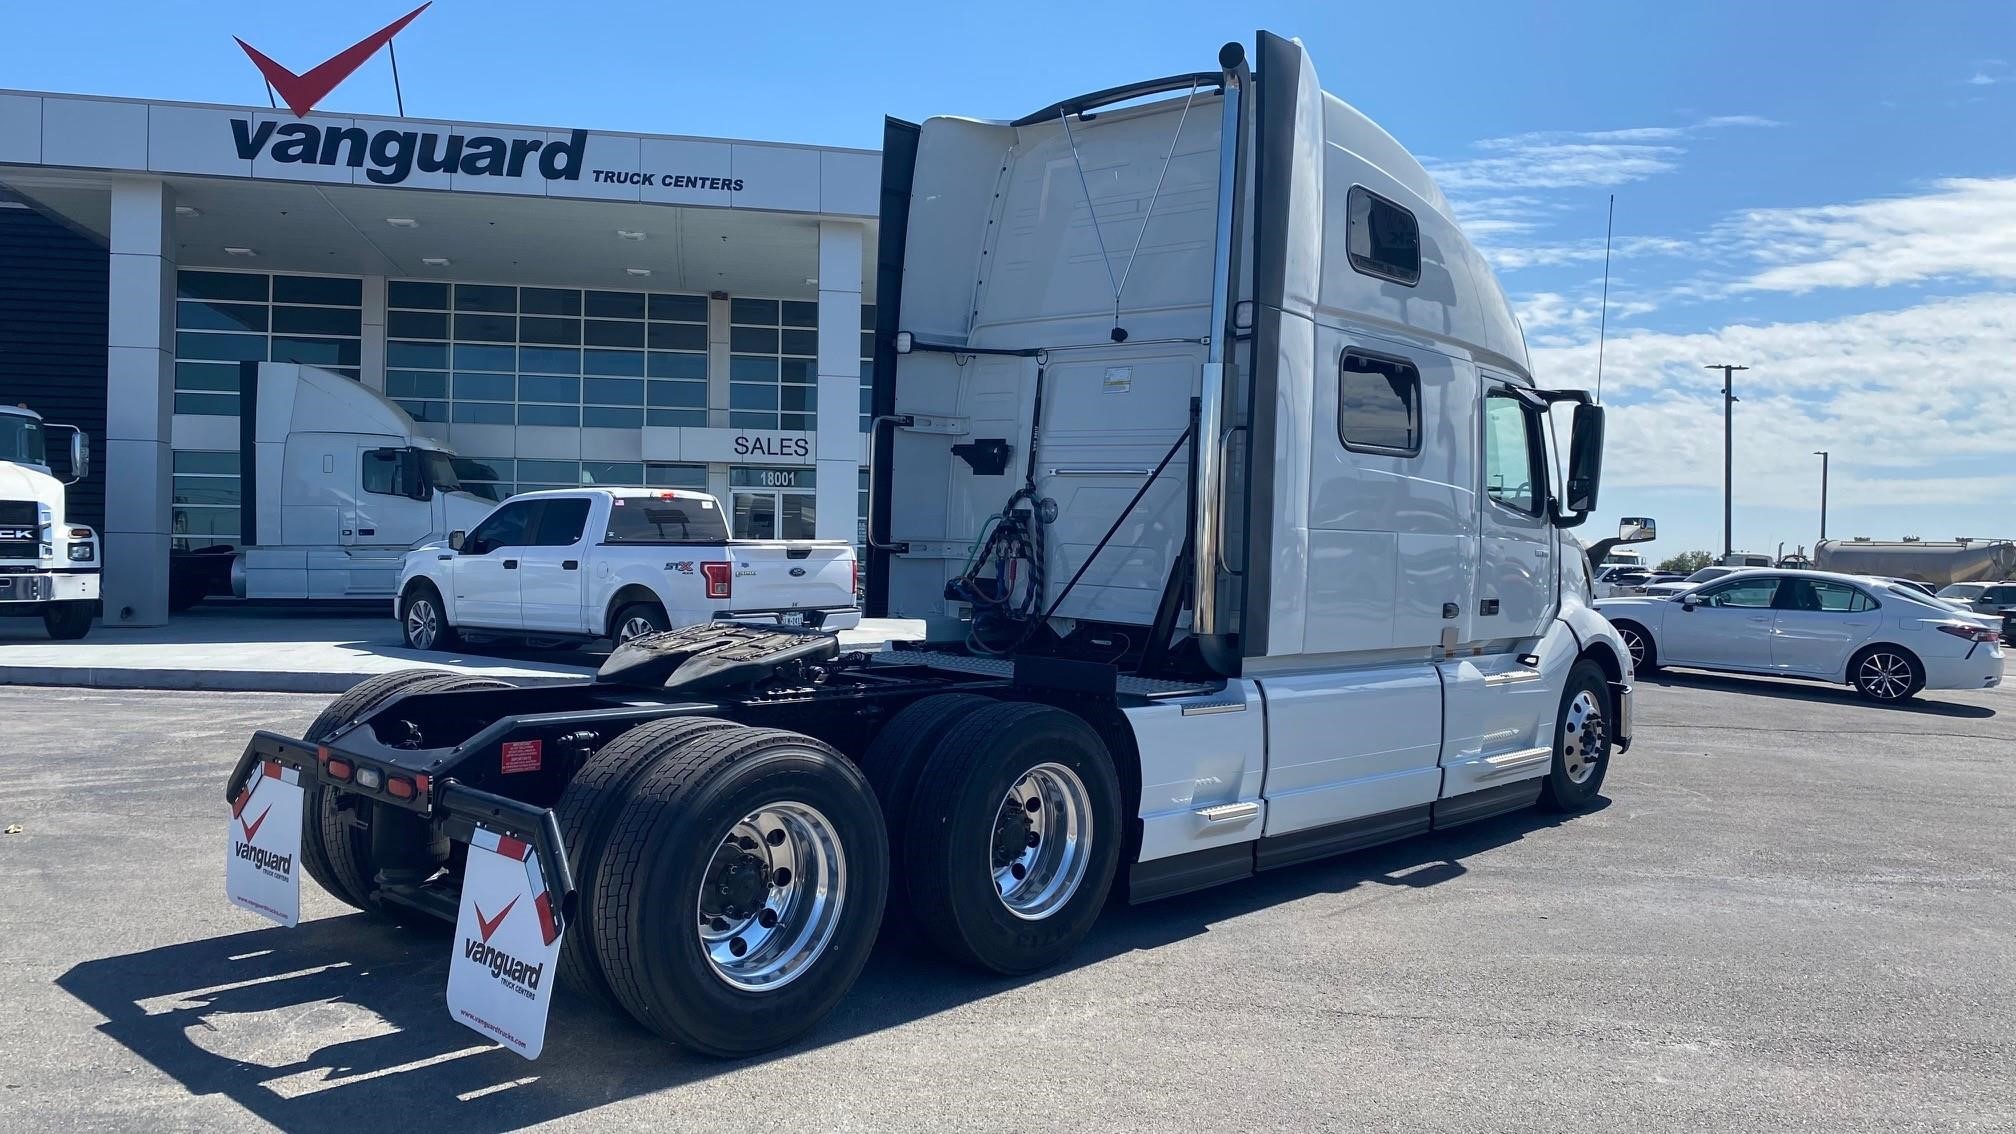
(1207, 448)
(337, 484)
(49, 566)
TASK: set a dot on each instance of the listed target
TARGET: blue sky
(1826, 192)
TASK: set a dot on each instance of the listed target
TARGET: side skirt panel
(1472, 806)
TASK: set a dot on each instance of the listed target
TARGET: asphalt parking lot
(1794, 912)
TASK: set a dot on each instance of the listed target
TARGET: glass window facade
(206, 499)
(225, 318)
(495, 354)
(773, 364)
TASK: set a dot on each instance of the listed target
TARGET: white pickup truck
(576, 565)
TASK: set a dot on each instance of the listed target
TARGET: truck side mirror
(1585, 464)
(456, 539)
(1637, 529)
(80, 456)
(413, 476)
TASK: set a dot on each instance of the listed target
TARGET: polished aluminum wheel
(771, 896)
(1585, 738)
(1885, 676)
(1042, 841)
(1634, 642)
(423, 623)
(635, 626)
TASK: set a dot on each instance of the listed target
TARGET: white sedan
(1887, 641)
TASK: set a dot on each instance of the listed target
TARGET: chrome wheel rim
(1885, 676)
(1634, 644)
(771, 896)
(635, 627)
(1585, 738)
(423, 624)
(1042, 840)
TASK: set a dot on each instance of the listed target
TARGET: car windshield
(441, 472)
(21, 440)
(1962, 591)
(1707, 573)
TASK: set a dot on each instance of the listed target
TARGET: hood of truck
(19, 482)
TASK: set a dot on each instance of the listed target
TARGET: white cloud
(1906, 400)
(1963, 228)
(1566, 159)
(1989, 72)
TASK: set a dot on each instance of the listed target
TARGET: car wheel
(1886, 674)
(637, 620)
(1644, 655)
(423, 623)
(1581, 741)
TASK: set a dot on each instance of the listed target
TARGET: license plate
(791, 618)
(262, 855)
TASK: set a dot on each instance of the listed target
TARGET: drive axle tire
(586, 811)
(68, 621)
(1014, 837)
(335, 851)
(894, 760)
(741, 890)
(1581, 741)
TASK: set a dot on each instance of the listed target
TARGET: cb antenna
(1603, 319)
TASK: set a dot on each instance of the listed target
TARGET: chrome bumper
(1620, 733)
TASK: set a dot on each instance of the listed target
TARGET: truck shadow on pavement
(1793, 690)
(255, 1016)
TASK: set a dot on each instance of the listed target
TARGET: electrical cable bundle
(1006, 606)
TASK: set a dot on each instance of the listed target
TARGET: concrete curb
(225, 680)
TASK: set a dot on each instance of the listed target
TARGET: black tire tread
(587, 809)
(449, 638)
(1556, 793)
(895, 760)
(344, 851)
(1917, 672)
(929, 880)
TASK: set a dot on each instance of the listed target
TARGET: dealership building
(561, 306)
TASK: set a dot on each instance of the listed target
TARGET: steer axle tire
(741, 890)
(1014, 837)
(586, 811)
(336, 841)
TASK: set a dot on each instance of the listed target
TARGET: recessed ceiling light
(629, 234)
(402, 222)
(435, 261)
(811, 281)
(240, 251)
(188, 211)
(637, 271)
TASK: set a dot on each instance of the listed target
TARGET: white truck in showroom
(48, 566)
(1206, 446)
(572, 565)
(337, 484)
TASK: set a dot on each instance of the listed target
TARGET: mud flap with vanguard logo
(507, 945)
(263, 851)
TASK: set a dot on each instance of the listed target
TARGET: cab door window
(504, 528)
(1512, 472)
(560, 523)
(1747, 594)
(381, 471)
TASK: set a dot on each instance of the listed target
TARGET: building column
(139, 403)
(717, 363)
(839, 447)
(371, 346)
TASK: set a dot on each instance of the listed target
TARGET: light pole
(1729, 401)
(1822, 454)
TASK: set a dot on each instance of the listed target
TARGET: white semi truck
(1208, 450)
(337, 485)
(49, 567)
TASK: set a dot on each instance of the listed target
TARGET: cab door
(391, 508)
(1515, 576)
(1817, 623)
(487, 568)
(552, 586)
(1726, 625)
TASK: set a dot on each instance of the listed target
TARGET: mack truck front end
(49, 567)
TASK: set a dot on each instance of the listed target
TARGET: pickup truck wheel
(423, 620)
(741, 890)
(1581, 741)
(894, 760)
(1014, 836)
(637, 620)
(335, 850)
(68, 621)
(587, 810)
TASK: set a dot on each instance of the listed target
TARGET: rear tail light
(855, 585)
(720, 579)
(1971, 633)
(399, 787)
(337, 769)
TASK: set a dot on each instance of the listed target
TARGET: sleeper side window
(1379, 405)
(1385, 239)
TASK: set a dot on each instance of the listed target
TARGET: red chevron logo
(301, 92)
(489, 924)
